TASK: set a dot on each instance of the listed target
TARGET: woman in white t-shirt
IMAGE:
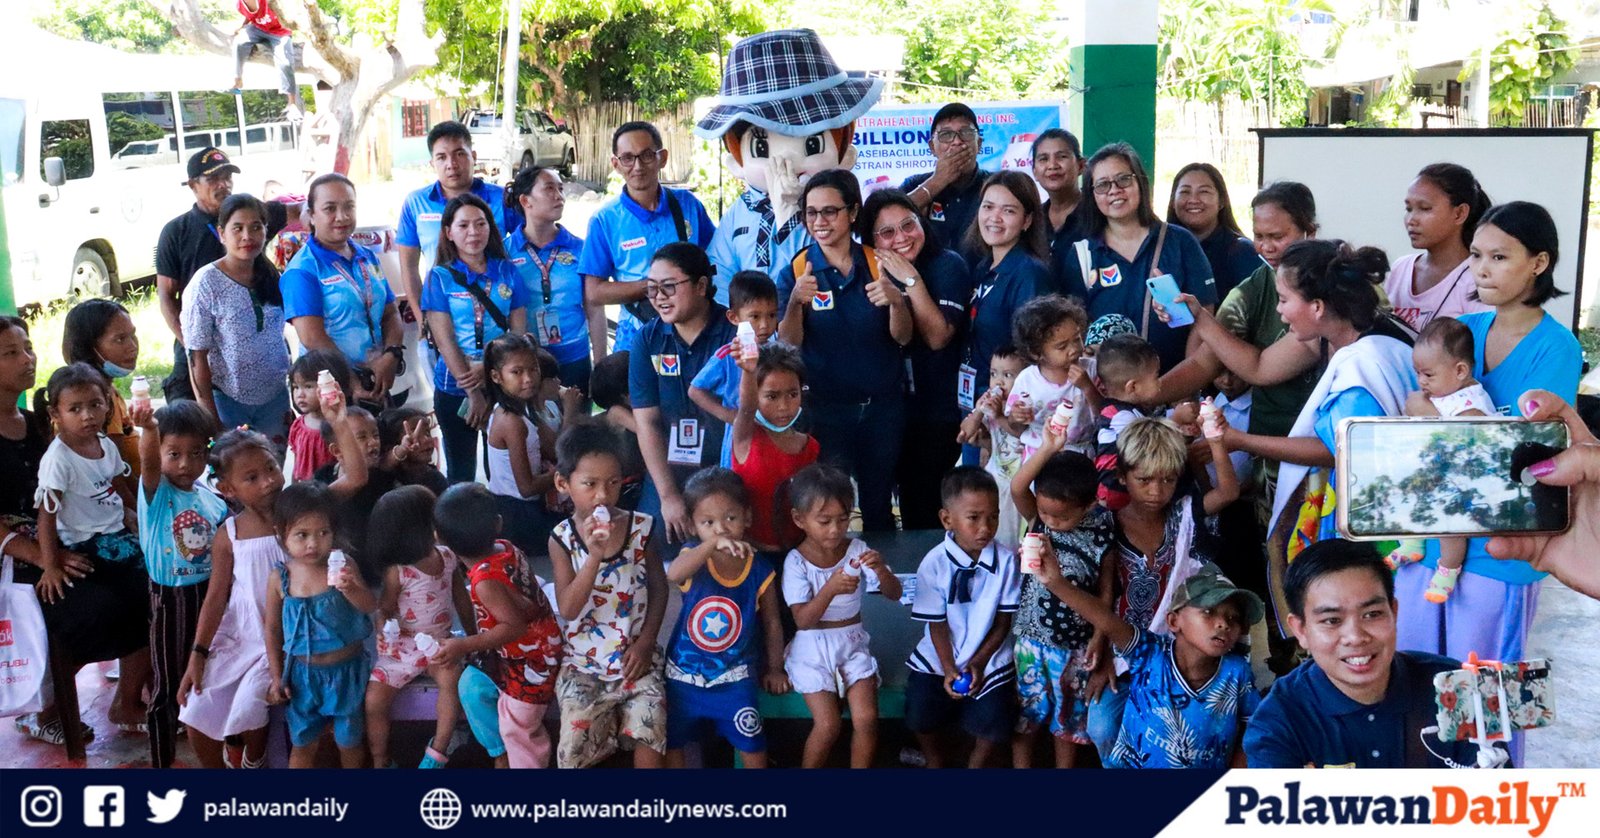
(1443, 206)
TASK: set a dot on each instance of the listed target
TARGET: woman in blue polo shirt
(852, 322)
(1200, 204)
(1109, 267)
(472, 296)
(546, 255)
(336, 296)
(938, 285)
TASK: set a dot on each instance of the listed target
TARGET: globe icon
(441, 808)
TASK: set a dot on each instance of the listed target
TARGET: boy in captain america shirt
(714, 647)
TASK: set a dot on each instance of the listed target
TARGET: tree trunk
(361, 76)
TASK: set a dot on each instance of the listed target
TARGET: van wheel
(567, 163)
(90, 276)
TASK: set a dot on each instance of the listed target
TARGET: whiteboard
(1360, 177)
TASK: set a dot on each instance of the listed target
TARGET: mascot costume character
(785, 111)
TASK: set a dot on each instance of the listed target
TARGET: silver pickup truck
(539, 141)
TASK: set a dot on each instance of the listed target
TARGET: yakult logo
(6, 637)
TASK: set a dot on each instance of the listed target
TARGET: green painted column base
(1118, 98)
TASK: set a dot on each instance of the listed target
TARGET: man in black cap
(189, 242)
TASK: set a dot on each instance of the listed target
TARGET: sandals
(51, 732)
(432, 758)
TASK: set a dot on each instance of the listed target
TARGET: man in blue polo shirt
(627, 230)
(950, 194)
(450, 151)
(1357, 703)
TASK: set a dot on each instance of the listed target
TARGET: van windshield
(11, 111)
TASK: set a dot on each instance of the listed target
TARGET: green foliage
(1212, 49)
(655, 53)
(122, 128)
(128, 25)
(1534, 49)
(1391, 108)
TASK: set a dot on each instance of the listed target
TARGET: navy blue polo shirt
(999, 290)
(850, 355)
(661, 366)
(1071, 231)
(951, 212)
(934, 372)
(1117, 286)
(1305, 720)
(1232, 258)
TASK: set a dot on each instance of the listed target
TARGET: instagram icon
(41, 806)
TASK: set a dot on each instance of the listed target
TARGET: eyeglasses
(1122, 181)
(649, 158)
(662, 289)
(967, 135)
(828, 213)
(906, 228)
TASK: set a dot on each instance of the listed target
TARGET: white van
(93, 154)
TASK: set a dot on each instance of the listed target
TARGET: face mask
(762, 421)
(114, 371)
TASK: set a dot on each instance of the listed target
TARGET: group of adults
(924, 280)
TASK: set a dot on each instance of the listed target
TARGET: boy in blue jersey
(714, 651)
(450, 153)
(753, 299)
(627, 230)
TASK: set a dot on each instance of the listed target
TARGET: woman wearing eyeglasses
(938, 287)
(676, 437)
(846, 311)
(1126, 245)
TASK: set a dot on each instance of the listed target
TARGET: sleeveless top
(324, 622)
(615, 610)
(502, 481)
(766, 471)
(715, 640)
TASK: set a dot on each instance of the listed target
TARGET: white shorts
(829, 660)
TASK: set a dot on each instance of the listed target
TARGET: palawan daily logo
(1445, 805)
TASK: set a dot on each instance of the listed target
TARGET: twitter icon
(164, 809)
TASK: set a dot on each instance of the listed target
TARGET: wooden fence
(591, 130)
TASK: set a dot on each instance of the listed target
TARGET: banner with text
(892, 140)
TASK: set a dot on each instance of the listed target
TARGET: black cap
(209, 161)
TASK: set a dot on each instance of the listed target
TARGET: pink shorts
(522, 729)
(400, 664)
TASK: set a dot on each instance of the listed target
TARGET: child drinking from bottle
(1054, 390)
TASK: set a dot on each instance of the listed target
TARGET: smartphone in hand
(1164, 290)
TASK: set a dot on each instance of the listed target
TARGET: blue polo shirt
(423, 211)
(934, 372)
(999, 290)
(1305, 720)
(1117, 286)
(555, 316)
(348, 294)
(951, 212)
(661, 366)
(624, 236)
(1232, 258)
(849, 354)
(473, 330)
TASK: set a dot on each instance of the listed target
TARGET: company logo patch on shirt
(666, 365)
(1110, 276)
(331, 280)
(634, 244)
(936, 211)
(504, 291)
(823, 301)
(429, 216)
(565, 257)
(519, 260)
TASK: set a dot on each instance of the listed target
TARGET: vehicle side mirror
(55, 171)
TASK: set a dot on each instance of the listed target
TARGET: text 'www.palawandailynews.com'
(656, 810)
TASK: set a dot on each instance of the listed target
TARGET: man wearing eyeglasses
(949, 195)
(189, 242)
(628, 229)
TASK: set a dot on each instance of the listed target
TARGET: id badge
(547, 328)
(966, 387)
(683, 449)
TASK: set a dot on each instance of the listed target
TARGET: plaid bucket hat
(785, 81)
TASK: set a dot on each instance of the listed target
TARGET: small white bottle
(139, 389)
(852, 566)
(391, 632)
(991, 401)
(427, 644)
(1031, 552)
(602, 523)
(748, 347)
(1208, 420)
(327, 388)
(336, 564)
(1061, 419)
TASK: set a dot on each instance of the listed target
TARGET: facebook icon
(103, 806)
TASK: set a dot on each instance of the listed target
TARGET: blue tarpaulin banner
(892, 140)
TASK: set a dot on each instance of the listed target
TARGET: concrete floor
(1564, 632)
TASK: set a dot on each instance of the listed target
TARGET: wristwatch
(909, 281)
(399, 353)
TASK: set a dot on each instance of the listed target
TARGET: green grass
(46, 326)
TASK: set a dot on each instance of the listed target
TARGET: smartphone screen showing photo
(1443, 477)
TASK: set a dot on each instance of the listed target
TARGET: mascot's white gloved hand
(784, 179)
